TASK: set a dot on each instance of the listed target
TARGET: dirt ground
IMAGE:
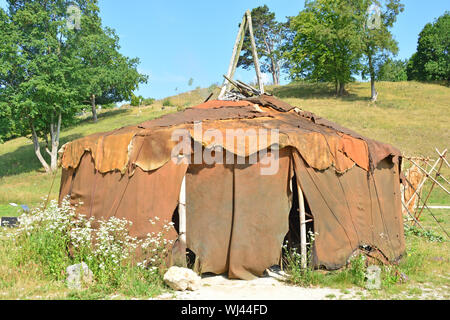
(266, 288)
(272, 287)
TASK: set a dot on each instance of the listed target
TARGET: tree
(432, 61)
(376, 36)
(392, 70)
(270, 36)
(38, 88)
(50, 66)
(414, 69)
(327, 44)
(8, 45)
(136, 101)
(106, 76)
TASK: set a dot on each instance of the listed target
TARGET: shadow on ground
(87, 116)
(24, 160)
(312, 91)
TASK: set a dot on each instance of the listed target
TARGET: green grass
(415, 118)
(425, 264)
(34, 258)
(409, 115)
(23, 181)
(28, 278)
(6, 210)
(412, 116)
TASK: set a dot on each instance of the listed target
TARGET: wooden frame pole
(246, 23)
(430, 177)
(433, 184)
(423, 182)
(442, 156)
(301, 205)
(182, 220)
(254, 52)
(235, 56)
(413, 217)
(429, 192)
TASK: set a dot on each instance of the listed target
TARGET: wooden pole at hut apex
(254, 52)
(182, 220)
(246, 23)
(301, 205)
(235, 56)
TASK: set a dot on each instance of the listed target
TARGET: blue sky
(177, 40)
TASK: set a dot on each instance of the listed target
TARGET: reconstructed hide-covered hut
(237, 214)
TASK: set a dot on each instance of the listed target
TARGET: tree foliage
(392, 70)
(326, 45)
(270, 38)
(8, 44)
(136, 100)
(377, 39)
(334, 40)
(431, 62)
(48, 69)
(105, 75)
(38, 88)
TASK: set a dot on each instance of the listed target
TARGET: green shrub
(413, 261)
(411, 230)
(354, 274)
(298, 275)
(148, 101)
(167, 103)
(108, 106)
(136, 100)
(390, 276)
(213, 87)
(357, 270)
(55, 237)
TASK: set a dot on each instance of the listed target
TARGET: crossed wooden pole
(246, 24)
(427, 175)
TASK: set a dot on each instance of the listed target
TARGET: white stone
(181, 279)
(79, 274)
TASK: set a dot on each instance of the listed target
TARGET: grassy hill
(412, 116)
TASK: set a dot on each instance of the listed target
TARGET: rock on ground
(79, 274)
(181, 279)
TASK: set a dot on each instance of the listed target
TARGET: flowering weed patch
(55, 237)
(298, 275)
(353, 274)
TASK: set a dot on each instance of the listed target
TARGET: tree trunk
(54, 134)
(373, 93)
(274, 78)
(341, 89)
(275, 72)
(94, 108)
(37, 149)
